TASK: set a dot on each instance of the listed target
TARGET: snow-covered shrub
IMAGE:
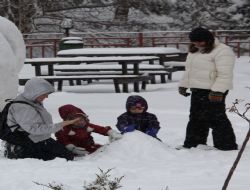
(102, 182)
(52, 186)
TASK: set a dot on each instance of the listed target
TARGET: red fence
(41, 45)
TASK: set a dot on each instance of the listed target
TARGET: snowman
(12, 55)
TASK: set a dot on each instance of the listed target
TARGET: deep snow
(146, 163)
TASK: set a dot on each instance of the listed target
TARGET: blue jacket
(143, 122)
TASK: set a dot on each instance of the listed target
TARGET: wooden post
(140, 39)
(238, 49)
(55, 47)
(31, 52)
(124, 72)
(43, 51)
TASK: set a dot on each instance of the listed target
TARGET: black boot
(13, 151)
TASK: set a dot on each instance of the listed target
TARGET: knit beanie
(201, 34)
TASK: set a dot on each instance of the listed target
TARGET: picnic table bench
(109, 69)
(123, 61)
(117, 80)
(165, 54)
(128, 65)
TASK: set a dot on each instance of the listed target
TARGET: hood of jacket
(36, 87)
(68, 110)
(135, 99)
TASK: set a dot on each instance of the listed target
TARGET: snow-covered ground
(144, 162)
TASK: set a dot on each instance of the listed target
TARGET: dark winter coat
(144, 121)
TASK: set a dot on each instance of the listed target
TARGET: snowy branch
(235, 109)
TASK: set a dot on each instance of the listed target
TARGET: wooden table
(160, 52)
(124, 61)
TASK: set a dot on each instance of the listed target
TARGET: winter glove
(152, 131)
(183, 91)
(113, 135)
(215, 97)
(77, 150)
(128, 128)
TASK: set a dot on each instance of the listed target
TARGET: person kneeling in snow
(31, 125)
(137, 118)
(77, 138)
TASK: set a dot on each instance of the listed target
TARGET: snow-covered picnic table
(160, 52)
(123, 61)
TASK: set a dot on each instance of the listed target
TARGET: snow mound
(134, 147)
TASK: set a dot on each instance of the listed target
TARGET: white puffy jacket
(212, 70)
(12, 55)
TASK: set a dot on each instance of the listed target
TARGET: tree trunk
(21, 12)
(121, 12)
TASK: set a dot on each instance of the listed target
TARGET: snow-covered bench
(106, 69)
(117, 80)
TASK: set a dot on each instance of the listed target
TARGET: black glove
(215, 96)
(183, 91)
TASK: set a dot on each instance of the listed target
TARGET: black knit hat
(201, 34)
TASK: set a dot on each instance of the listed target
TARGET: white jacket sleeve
(184, 80)
(224, 62)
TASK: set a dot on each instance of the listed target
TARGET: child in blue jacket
(137, 118)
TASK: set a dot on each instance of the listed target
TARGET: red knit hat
(67, 111)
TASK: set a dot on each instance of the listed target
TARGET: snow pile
(134, 147)
(144, 162)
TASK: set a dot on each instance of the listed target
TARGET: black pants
(22, 147)
(204, 115)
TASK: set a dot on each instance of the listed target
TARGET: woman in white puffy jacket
(209, 76)
(12, 55)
